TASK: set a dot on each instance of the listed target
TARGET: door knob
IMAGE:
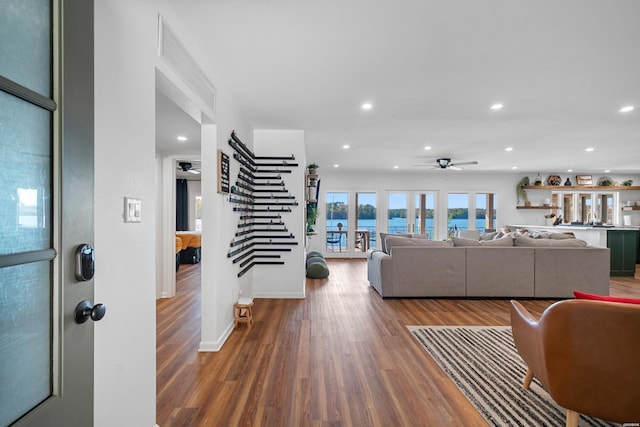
(84, 310)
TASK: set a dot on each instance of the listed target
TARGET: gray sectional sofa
(520, 267)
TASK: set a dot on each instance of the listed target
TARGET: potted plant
(521, 192)
(312, 215)
(312, 168)
(627, 183)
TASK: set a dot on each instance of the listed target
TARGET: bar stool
(242, 311)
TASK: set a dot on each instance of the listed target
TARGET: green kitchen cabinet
(624, 247)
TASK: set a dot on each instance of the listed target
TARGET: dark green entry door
(46, 211)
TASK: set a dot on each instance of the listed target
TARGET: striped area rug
(483, 362)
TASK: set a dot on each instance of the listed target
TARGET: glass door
(366, 219)
(46, 211)
(411, 212)
(337, 225)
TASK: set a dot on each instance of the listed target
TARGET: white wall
(288, 280)
(125, 63)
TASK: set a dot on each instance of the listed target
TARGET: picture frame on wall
(223, 172)
(584, 180)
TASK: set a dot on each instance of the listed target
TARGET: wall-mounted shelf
(537, 207)
(250, 235)
(631, 208)
(581, 187)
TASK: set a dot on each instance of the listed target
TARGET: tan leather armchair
(586, 354)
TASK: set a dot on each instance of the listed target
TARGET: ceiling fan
(445, 163)
(188, 167)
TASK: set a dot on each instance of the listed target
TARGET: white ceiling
(432, 69)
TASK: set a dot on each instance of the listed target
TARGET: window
(457, 212)
(365, 221)
(198, 213)
(337, 210)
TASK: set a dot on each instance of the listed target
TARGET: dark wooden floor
(340, 357)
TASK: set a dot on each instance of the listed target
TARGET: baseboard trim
(215, 346)
(283, 295)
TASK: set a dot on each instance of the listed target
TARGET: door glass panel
(25, 51)
(337, 215)
(25, 173)
(365, 221)
(457, 213)
(397, 213)
(25, 338)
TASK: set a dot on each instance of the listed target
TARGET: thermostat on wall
(132, 209)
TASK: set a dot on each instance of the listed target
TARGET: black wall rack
(252, 203)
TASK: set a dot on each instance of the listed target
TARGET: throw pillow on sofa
(383, 240)
(584, 295)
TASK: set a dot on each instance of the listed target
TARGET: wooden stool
(242, 311)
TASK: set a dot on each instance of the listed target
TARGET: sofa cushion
(383, 239)
(407, 241)
(505, 241)
(584, 295)
(546, 243)
(491, 235)
(468, 234)
(562, 236)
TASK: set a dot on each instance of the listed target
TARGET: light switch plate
(132, 209)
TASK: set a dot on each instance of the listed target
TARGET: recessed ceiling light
(514, 167)
(427, 147)
(182, 138)
(497, 106)
(396, 167)
(336, 165)
(590, 149)
(508, 149)
(569, 170)
(367, 106)
(607, 170)
(627, 109)
(346, 146)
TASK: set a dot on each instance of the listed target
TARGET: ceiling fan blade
(455, 168)
(464, 163)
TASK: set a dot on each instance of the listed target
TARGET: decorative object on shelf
(538, 181)
(627, 183)
(606, 181)
(312, 168)
(521, 193)
(567, 183)
(554, 180)
(584, 180)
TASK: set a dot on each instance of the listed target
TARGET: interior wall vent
(175, 55)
